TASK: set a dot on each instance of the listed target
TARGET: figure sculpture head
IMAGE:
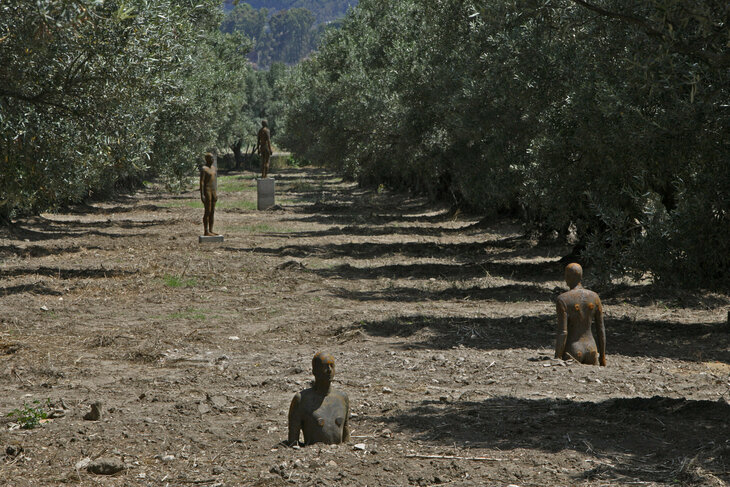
(208, 159)
(573, 274)
(323, 368)
(264, 123)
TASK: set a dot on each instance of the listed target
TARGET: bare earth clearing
(442, 330)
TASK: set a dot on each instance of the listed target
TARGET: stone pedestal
(210, 238)
(266, 190)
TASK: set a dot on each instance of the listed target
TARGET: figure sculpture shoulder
(577, 309)
(320, 412)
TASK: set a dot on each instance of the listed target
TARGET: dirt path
(442, 330)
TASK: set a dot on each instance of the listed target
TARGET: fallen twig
(453, 457)
(186, 268)
(571, 357)
(17, 376)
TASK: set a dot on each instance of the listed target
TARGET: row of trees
(98, 94)
(586, 116)
(577, 115)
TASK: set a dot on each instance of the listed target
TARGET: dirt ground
(442, 328)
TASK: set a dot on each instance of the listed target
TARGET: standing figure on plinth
(264, 147)
(208, 194)
(577, 309)
(320, 412)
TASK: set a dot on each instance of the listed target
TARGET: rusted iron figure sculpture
(320, 412)
(208, 194)
(577, 309)
(264, 147)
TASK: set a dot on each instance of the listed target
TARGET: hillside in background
(323, 10)
(284, 31)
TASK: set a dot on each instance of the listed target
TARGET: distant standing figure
(320, 412)
(264, 147)
(208, 194)
(577, 309)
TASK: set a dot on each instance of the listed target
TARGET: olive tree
(96, 94)
(572, 114)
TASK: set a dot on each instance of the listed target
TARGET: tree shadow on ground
(519, 271)
(653, 294)
(186, 197)
(129, 206)
(470, 251)
(126, 224)
(483, 333)
(364, 207)
(33, 236)
(371, 217)
(38, 250)
(680, 341)
(364, 231)
(41, 229)
(38, 228)
(295, 174)
(355, 203)
(35, 288)
(349, 206)
(59, 273)
(288, 179)
(511, 293)
(415, 231)
(645, 438)
(694, 341)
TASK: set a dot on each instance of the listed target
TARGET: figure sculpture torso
(264, 140)
(322, 419)
(320, 412)
(577, 309)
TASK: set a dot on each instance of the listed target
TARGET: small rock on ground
(106, 466)
(95, 413)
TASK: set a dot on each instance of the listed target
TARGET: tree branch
(37, 99)
(632, 19)
(713, 59)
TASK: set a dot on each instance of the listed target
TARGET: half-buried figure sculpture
(320, 412)
(577, 309)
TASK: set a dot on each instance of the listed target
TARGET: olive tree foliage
(572, 114)
(265, 99)
(208, 112)
(637, 159)
(98, 93)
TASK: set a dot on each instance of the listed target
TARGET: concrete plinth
(210, 238)
(266, 190)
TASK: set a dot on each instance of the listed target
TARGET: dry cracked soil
(442, 327)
